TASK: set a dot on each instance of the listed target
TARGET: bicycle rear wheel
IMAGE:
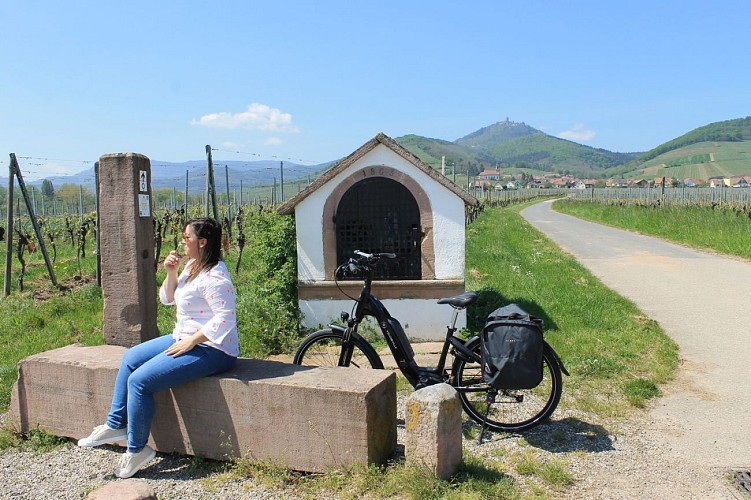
(511, 410)
(324, 347)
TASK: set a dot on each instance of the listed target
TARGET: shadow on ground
(559, 436)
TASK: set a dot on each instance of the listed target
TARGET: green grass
(37, 441)
(603, 339)
(41, 318)
(477, 478)
(723, 231)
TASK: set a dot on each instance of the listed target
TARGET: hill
(718, 149)
(515, 145)
(173, 175)
(726, 131)
(701, 160)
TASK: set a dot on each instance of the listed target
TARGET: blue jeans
(144, 370)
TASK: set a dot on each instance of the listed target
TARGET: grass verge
(724, 231)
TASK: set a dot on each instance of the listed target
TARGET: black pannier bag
(512, 347)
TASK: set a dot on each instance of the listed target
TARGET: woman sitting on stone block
(204, 342)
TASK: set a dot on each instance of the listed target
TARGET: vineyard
(259, 246)
(734, 199)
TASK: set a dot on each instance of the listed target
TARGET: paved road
(703, 301)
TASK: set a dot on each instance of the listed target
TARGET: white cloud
(578, 133)
(274, 141)
(256, 117)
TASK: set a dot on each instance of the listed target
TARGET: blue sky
(312, 81)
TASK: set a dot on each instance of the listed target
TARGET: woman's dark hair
(209, 255)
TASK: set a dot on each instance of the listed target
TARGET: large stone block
(308, 419)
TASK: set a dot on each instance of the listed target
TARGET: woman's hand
(180, 347)
(172, 262)
(185, 345)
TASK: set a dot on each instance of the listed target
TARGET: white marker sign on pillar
(143, 185)
(144, 203)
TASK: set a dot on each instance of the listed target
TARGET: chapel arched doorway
(381, 215)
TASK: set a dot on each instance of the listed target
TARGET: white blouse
(206, 303)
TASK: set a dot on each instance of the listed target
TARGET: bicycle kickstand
(489, 399)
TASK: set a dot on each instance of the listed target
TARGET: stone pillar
(433, 421)
(127, 249)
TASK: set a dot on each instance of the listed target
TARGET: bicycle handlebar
(363, 264)
(375, 256)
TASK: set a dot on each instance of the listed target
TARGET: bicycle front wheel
(324, 348)
(509, 410)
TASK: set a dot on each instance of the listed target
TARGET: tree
(48, 191)
(70, 195)
(163, 197)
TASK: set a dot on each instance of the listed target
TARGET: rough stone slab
(308, 419)
(433, 429)
(126, 489)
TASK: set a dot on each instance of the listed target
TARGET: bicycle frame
(494, 408)
(396, 338)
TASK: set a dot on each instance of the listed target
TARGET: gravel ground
(608, 460)
(616, 461)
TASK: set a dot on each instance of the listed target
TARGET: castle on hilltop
(509, 122)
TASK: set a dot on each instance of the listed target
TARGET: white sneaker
(103, 434)
(130, 463)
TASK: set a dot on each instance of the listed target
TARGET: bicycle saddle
(460, 301)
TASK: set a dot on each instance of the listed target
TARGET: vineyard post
(662, 193)
(281, 181)
(127, 244)
(229, 209)
(210, 186)
(185, 214)
(98, 239)
(9, 232)
(32, 216)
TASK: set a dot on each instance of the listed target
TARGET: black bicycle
(495, 409)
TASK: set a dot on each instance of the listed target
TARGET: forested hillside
(721, 149)
(726, 131)
(514, 145)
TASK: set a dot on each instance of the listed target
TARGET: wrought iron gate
(381, 215)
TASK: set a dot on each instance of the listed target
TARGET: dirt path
(702, 423)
